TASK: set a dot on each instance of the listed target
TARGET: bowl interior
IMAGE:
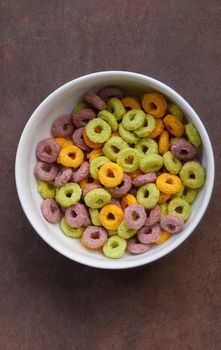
(38, 127)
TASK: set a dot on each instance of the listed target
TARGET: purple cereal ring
(62, 126)
(94, 237)
(183, 150)
(172, 223)
(136, 247)
(144, 179)
(47, 150)
(46, 172)
(114, 201)
(110, 91)
(81, 117)
(77, 137)
(134, 216)
(95, 101)
(76, 215)
(153, 217)
(63, 177)
(81, 172)
(50, 210)
(149, 234)
(123, 188)
(90, 188)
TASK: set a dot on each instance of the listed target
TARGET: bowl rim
(108, 263)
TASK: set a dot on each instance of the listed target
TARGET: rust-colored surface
(47, 301)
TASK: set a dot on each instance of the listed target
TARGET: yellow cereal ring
(111, 174)
(163, 237)
(71, 156)
(89, 143)
(64, 142)
(127, 200)
(130, 102)
(173, 125)
(168, 183)
(163, 198)
(154, 104)
(164, 142)
(94, 154)
(157, 130)
(135, 174)
(111, 216)
(86, 182)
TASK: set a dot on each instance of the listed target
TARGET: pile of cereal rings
(120, 172)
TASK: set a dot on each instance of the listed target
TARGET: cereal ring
(154, 104)
(95, 101)
(153, 217)
(149, 234)
(174, 139)
(175, 110)
(183, 150)
(94, 154)
(148, 126)
(80, 118)
(148, 195)
(113, 147)
(164, 236)
(78, 139)
(122, 188)
(71, 156)
(94, 214)
(110, 91)
(50, 210)
(81, 172)
(179, 207)
(76, 215)
(147, 146)
(68, 194)
(168, 183)
(86, 182)
(127, 200)
(159, 126)
(44, 171)
(134, 216)
(144, 179)
(110, 174)
(111, 216)
(164, 142)
(163, 197)
(63, 177)
(127, 135)
(115, 247)
(89, 143)
(192, 134)
(172, 223)
(135, 174)
(62, 126)
(189, 194)
(90, 188)
(98, 130)
(135, 247)
(79, 106)
(172, 164)
(97, 198)
(133, 119)
(163, 210)
(125, 232)
(192, 175)
(173, 125)
(47, 150)
(46, 189)
(70, 231)
(131, 103)
(151, 163)
(109, 118)
(96, 164)
(180, 193)
(64, 142)
(94, 237)
(128, 159)
(115, 106)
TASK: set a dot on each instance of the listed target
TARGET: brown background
(47, 301)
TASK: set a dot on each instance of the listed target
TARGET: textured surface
(47, 301)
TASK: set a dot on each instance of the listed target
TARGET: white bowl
(38, 127)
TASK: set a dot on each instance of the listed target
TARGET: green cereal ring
(97, 198)
(112, 232)
(189, 194)
(192, 175)
(69, 231)
(98, 130)
(96, 164)
(113, 147)
(147, 127)
(125, 232)
(163, 210)
(114, 247)
(127, 135)
(68, 194)
(175, 110)
(129, 159)
(147, 146)
(151, 162)
(46, 189)
(172, 164)
(94, 215)
(115, 106)
(133, 119)
(80, 105)
(179, 207)
(148, 195)
(109, 118)
(192, 134)
(180, 193)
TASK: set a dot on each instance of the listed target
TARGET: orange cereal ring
(87, 181)
(154, 104)
(127, 200)
(135, 174)
(163, 197)
(110, 174)
(130, 102)
(157, 130)
(163, 237)
(168, 183)
(71, 156)
(111, 216)
(94, 154)
(164, 142)
(89, 143)
(174, 125)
